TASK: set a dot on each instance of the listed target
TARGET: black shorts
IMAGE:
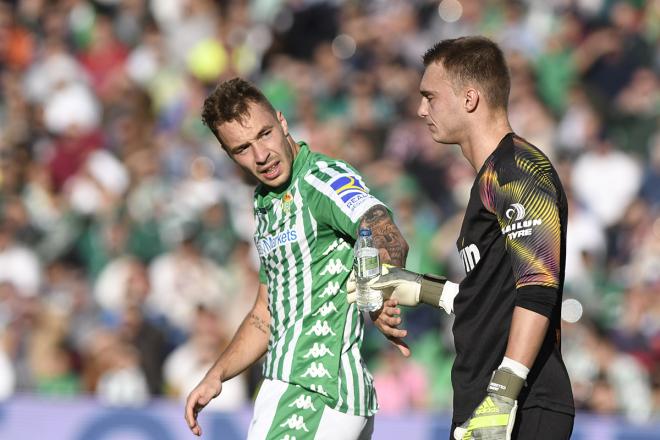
(537, 424)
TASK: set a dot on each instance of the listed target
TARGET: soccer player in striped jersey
(308, 209)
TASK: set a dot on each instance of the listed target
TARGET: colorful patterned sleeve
(525, 203)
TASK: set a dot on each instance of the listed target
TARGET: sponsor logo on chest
(470, 256)
(269, 243)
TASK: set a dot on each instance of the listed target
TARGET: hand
(394, 282)
(198, 398)
(400, 284)
(411, 288)
(387, 320)
(496, 414)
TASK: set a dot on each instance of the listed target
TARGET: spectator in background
(19, 265)
(182, 279)
(185, 367)
(121, 290)
(401, 383)
(650, 190)
(604, 174)
(112, 370)
(102, 153)
(605, 380)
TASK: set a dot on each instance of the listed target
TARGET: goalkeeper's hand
(387, 319)
(409, 288)
(494, 417)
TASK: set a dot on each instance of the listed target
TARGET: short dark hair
(474, 60)
(229, 102)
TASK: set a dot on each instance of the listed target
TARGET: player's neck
(483, 139)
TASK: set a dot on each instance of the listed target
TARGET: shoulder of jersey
(520, 159)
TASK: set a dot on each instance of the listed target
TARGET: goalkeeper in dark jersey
(509, 379)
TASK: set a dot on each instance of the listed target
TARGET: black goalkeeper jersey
(513, 239)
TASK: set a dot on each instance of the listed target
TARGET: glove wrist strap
(505, 383)
(430, 291)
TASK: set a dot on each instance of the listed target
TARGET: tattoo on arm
(387, 237)
(259, 323)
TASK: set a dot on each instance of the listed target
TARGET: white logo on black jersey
(519, 227)
(516, 212)
(470, 256)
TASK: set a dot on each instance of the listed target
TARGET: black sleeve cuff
(539, 299)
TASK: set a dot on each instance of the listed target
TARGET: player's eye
(266, 134)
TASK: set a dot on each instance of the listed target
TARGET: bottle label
(367, 263)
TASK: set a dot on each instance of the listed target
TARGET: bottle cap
(365, 232)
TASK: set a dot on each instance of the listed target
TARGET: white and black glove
(409, 288)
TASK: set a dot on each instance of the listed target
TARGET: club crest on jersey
(349, 189)
(519, 227)
(287, 200)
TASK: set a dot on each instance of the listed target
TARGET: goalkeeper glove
(410, 288)
(496, 414)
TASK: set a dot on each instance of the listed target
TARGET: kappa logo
(349, 189)
(303, 402)
(334, 267)
(320, 329)
(319, 389)
(326, 309)
(516, 212)
(331, 289)
(317, 370)
(295, 422)
(318, 350)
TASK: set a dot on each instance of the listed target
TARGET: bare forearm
(392, 247)
(528, 329)
(247, 346)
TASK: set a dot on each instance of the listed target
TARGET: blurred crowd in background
(126, 255)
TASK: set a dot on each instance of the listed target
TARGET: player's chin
(442, 138)
(278, 181)
(438, 138)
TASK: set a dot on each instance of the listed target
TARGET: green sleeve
(339, 197)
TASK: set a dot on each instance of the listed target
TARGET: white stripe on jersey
(346, 343)
(262, 224)
(307, 282)
(361, 385)
(346, 365)
(278, 302)
(292, 294)
(357, 360)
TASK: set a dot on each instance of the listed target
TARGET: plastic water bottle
(367, 267)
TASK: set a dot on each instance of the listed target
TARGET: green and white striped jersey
(304, 236)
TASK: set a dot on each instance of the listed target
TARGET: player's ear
(283, 123)
(471, 100)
